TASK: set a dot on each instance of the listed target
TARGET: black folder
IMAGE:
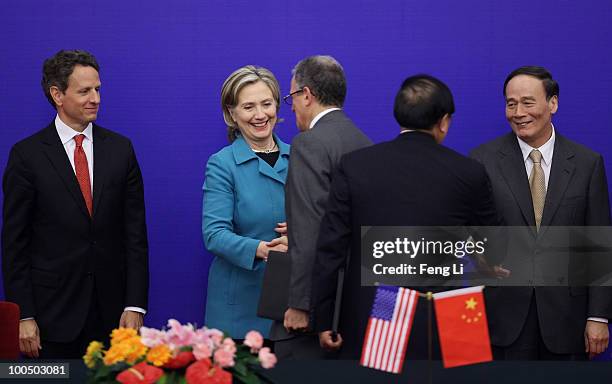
(275, 288)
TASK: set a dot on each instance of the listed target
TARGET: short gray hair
(240, 78)
(324, 76)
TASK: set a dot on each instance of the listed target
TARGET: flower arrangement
(178, 354)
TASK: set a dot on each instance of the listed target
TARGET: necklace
(265, 150)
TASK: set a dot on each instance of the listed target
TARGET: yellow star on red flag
(471, 304)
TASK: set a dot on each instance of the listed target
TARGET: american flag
(388, 329)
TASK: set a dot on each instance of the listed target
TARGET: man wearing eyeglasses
(318, 90)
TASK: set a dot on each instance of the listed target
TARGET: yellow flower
(93, 351)
(120, 334)
(116, 353)
(136, 349)
(129, 350)
(159, 355)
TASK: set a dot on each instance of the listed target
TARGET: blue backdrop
(163, 63)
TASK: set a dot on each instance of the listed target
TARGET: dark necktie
(82, 172)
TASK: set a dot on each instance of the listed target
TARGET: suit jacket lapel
(512, 167)
(100, 150)
(243, 153)
(561, 172)
(54, 150)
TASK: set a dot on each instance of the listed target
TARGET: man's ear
(308, 96)
(56, 94)
(553, 104)
(440, 130)
(444, 124)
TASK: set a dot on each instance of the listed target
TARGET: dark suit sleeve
(485, 214)
(137, 249)
(19, 202)
(332, 249)
(598, 214)
(307, 189)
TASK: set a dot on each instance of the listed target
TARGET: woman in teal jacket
(244, 202)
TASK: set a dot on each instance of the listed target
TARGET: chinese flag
(462, 326)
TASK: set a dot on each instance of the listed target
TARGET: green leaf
(240, 368)
(248, 378)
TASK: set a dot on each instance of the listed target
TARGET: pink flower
(267, 358)
(179, 335)
(254, 340)
(228, 345)
(152, 337)
(202, 351)
(215, 335)
(224, 358)
(201, 336)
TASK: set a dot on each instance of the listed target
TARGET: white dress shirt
(547, 149)
(67, 136)
(321, 114)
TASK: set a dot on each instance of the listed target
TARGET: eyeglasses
(289, 98)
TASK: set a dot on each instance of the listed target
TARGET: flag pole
(429, 296)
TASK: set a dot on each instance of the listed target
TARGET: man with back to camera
(541, 179)
(409, 181)
(318, 90)
(74, 239)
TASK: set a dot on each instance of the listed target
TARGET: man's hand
(281, 228)
(596, 336)
(278, 241)
(29, 338)
(131, 319)
(495, 271)
(296, 320)
(327, 343)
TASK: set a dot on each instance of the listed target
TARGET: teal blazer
(244, 199)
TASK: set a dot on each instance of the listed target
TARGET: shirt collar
(321, 114)
(545, 149)
(66, 133)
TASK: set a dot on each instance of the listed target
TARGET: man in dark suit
(409, 181)
(74, 242)
(318, 90)
(542, 179)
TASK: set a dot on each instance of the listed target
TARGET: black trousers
(302, 347)
(529, 345)
(93, 329)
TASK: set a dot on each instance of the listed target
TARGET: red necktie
(82, 172)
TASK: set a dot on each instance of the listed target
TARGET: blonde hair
(249, 74)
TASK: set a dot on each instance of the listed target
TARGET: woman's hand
(278, 244)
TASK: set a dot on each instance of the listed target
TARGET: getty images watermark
(411, 249)
(502, 256)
